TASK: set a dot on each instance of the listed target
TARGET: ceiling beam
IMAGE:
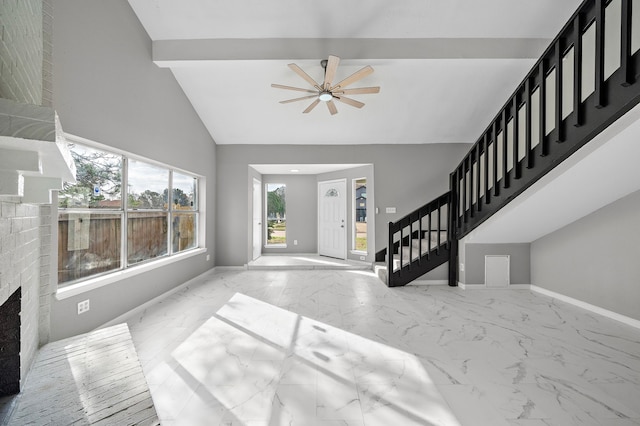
(169, 53)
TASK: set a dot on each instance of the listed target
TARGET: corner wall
(107, 89)
(594, 259)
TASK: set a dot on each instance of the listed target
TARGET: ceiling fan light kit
(326, 92)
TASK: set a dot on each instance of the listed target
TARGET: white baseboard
(138, 309)
(519, 286)
(595, 309)
(429, 282)
(230, 268)
(471, 286)
(483, 286)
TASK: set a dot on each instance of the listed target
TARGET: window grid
(124, 212)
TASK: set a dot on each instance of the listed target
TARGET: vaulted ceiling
(445, 67)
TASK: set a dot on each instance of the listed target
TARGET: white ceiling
(445, 67)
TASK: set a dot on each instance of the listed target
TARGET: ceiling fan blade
(330, 71)
(349, 101)
(298, 99)
(304, 75)
(358, 91)
(299, 89)
(332, 108)
(312, 106)
(354, 77)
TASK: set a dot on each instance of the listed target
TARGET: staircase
(584, 81)
(418, 243)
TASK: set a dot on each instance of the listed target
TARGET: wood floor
(95, 378)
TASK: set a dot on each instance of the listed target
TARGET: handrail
(584, 81)
(410, 228)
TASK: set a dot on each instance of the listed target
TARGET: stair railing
(584, 81)
(420, 240)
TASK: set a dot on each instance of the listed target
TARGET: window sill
(93, 283)
(276, 246)
(364, 253)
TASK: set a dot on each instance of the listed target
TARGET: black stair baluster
(529, 156)
(544, 146)
(471, 185)
(465, 193)
(578, 110)
(558, 94)
(516, 139)
(599, 90)
(496, 187)
(429, 239)
(487, 191)
(420, 216)
(438, 236)
(505, 150)
(479, 178)
(625, 52)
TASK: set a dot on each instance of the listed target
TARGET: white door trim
(344, 212)
(256, 184)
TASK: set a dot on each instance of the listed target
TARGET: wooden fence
(90, 243)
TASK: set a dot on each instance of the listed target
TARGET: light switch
(390, 210)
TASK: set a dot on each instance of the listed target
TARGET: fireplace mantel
(34, 156)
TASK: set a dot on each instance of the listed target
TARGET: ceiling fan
(327, 92)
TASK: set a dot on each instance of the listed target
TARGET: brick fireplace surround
(10, 345)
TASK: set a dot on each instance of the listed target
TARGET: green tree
(93, 169)
(180, 198)
(276, 203)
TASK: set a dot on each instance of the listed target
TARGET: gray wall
(474, 257)
(406, 176)
(301, 212)
(594, 259)
(107, 89)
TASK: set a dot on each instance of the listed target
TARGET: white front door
(257, 219)
(332, 215)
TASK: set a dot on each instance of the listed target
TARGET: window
(360, 215)
(276, 214)
(109, 220)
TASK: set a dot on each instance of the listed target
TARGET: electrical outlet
(363, 258)
(83, 306)
(295, 242)
(208, 257)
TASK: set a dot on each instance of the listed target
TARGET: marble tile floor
(304, 262)
(335, 348)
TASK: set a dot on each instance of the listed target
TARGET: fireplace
(10, 345)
